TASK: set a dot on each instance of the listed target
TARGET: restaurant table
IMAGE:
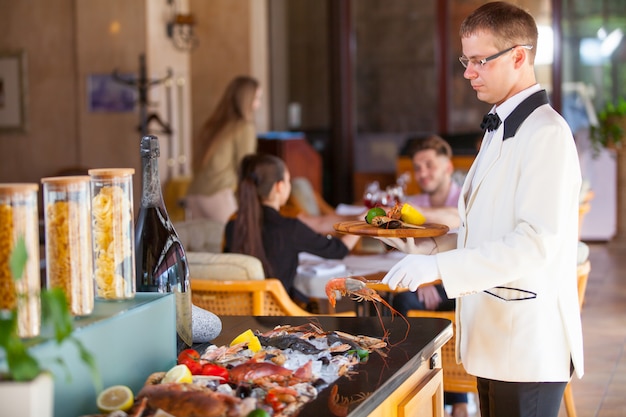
(314, 272)
(407, 382)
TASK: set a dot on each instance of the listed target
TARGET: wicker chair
(265, 297)
(455, 379)
(583, 276)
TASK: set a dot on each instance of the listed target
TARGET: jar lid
(10, 188)
(111, 172)
(69, 179)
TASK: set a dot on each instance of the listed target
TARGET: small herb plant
(56, 316)
(610, 131)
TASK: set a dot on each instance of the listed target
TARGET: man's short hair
(434, 142)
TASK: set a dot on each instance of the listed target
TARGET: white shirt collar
(504, 109)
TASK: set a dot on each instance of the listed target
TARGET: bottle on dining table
(160, 257)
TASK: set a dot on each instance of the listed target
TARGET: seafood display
(293, 364)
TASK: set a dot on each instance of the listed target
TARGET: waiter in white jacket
(512, 265)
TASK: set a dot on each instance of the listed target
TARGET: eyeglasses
(465, 61)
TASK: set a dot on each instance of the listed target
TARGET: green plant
(610, 131)
(56, 316)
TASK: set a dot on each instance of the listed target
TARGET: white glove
(424, 246)
(412, 271)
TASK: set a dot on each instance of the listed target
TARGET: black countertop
(378, 377)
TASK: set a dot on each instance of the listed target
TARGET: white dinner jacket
(519, 230)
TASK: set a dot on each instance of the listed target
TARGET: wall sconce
(180, 29)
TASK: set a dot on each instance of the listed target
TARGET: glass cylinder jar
(69, 255)
(19, 219)
(113, 233)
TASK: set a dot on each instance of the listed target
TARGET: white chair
(224, 266)
(200, 235)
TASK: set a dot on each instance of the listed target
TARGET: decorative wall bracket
(180, 29)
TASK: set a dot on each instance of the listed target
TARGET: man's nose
(470, 73)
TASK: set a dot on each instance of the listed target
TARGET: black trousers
(519, 399)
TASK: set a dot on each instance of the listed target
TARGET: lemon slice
(248, 337)
(115, 398)
(180, 374)
(411, 215)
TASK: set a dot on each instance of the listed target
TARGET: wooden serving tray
(361, 228)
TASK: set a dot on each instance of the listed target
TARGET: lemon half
(248, 337)
(115, 398)
(411, 215)
(180, 374)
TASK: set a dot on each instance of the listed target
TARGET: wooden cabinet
(426, 400)
(420, 395)
(293, 148)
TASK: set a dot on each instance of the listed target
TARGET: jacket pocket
(511, 294)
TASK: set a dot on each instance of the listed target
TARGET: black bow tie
(490, 122)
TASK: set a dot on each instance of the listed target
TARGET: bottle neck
(151, 195)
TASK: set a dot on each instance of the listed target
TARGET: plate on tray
(362, 228)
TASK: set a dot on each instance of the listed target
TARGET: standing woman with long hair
(226, 137)
(261, 231)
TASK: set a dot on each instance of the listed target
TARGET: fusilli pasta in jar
(113, 233)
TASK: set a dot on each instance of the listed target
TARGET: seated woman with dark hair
(261, 231)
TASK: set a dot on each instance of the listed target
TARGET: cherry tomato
(274, 402)
(191, 358)
(189, 354)
(214, 370)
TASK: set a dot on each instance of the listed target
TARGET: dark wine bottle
(160, 257)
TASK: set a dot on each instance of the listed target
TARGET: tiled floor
(602, 390)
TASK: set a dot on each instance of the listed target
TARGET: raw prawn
(269, 374)
(357, 289)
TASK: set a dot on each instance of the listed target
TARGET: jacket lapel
(493, 151)
(487, 158)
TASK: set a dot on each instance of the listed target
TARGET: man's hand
(412, 271)
(429, 295)
(423, 246)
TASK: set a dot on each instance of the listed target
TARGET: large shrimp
(357, 289)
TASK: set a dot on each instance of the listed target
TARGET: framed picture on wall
(106, 94)
(13, 91)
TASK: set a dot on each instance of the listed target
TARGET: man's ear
(449, 167)
(520, 56)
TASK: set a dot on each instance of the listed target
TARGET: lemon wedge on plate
(115, 398)
(248, 337)
(411, 215)
(180, 374)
